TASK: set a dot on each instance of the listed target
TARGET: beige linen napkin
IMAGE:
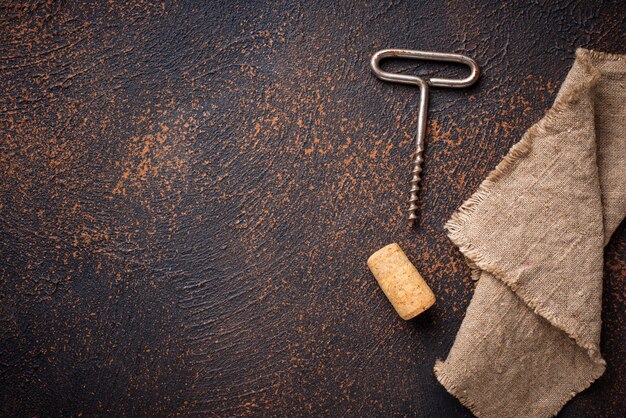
(533, 235)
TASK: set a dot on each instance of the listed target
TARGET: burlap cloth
(533, 235)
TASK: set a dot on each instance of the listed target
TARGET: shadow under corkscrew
(424, 86)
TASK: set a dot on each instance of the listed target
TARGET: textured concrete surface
(190, 192)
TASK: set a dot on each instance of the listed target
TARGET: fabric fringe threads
(533, 234)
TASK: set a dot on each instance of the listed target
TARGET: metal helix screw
(415, 181)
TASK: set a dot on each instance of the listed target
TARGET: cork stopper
(400, 281)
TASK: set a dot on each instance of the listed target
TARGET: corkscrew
(424, 86)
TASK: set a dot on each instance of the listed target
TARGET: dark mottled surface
(189, 194)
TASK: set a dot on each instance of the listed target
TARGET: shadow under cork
(426, 320)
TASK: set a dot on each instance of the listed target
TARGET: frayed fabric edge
(446, 382)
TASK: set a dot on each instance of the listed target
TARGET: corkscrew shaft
(416, 170)
(424, 86)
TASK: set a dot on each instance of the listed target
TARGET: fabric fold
(533, 234)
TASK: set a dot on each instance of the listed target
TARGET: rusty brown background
(190, 192)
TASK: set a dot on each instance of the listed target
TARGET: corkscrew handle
(423, 108)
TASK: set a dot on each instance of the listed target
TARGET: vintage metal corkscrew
(424, 85)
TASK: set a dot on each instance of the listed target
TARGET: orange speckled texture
(190, 192)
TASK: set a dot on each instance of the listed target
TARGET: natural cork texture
(403, 285)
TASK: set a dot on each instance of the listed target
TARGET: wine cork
(403, 285)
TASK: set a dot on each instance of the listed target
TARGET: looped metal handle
(424, 85)
(426, 56)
